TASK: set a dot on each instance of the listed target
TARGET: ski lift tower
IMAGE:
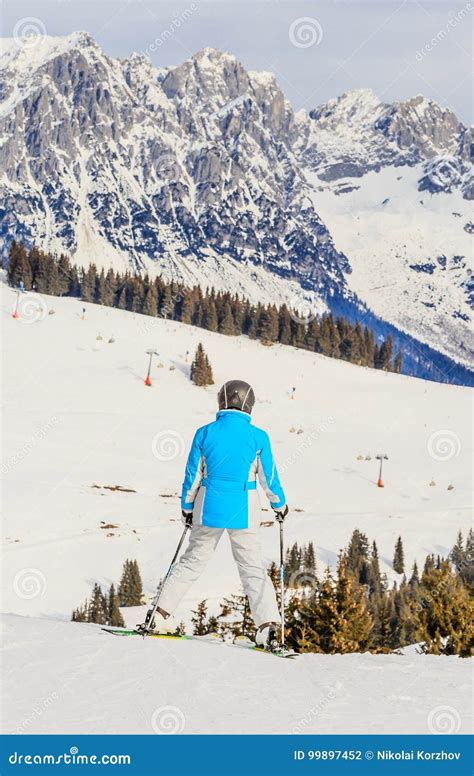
(151, 353)
(381, 457)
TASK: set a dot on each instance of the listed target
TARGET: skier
(218, 494)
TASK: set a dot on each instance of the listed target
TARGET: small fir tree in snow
(97, 610)
(131, 588)
(398, 557)
(201, 371)
(202, 625)
(81, 613)
(235, 617)
(114, 616)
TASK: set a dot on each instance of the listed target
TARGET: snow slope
(409, 250)
(77, 416)
(234, 691)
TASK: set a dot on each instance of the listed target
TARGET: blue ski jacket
(220, 482)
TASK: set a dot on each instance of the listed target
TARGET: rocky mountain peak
(356, 107)
(422, 124)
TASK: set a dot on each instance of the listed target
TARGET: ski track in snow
(77, 414)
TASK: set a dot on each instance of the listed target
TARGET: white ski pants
(246, 550)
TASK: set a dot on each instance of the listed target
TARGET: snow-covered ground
(77, 417)
(72, 678)
(410, 253)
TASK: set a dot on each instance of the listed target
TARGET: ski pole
(145, 626)
(282, 583)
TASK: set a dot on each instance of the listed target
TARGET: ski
(282, 652)
(278, 651)
(126, 632)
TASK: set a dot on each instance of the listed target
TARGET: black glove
(187, 517)
(281, 513)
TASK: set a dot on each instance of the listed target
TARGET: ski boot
(156, 623)
(268, 638)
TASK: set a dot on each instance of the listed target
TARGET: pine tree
(241, 623)
(397, 364)
(187, 307)
(309, 558)
(447, 613)
(97, 610)
(325, 621)
(88, 284)
(466, 566)
(398, 557)
(357, 557)
(201, 371)
(384, 360)
(298, 333)
(150, 303)
(81, 613)
(457, 554)
(355, 621)
(166, 305)
(415, 577)
(199, 620)
(268, 325)
(284, 325)
(130, 588)
(226, 324)
(312, 335)
(374, 578)
(40, 278)
(209, 318)
(19, 268)
(369, 347)
(64, 275)
(381, 639)
(114, 616)
(301, 625)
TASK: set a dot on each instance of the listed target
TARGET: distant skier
(218, 494)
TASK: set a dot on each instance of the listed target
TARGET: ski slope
(72, 678)
(77, 418)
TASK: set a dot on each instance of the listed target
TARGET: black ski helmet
(236, 395)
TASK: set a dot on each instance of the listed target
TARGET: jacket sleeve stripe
(193, 474)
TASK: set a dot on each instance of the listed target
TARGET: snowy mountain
(204, 173)
(393, 184)
(79, 422)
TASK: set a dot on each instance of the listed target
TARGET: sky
(317, 50)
